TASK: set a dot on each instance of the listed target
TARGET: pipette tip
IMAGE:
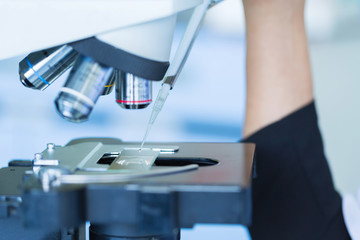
(141, 147)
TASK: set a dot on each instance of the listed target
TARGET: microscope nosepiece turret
(113, 51)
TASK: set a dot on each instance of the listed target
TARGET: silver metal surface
(40, 69)
(37, 156)
(50, 177)
(80, 163)
(39, 162)
(85, 156)
(111, 83)
(86, 178)
(46, 162)
(133, 92)
(82, 89)
(50, 146)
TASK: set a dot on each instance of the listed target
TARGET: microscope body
(125, 43)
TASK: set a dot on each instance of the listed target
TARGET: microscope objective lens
(39, 69)
(82, 89)
(133, 92)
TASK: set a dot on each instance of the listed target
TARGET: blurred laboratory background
(208, 101)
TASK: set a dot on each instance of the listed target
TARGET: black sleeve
(293, 193)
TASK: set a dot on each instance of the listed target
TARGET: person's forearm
(278, 68)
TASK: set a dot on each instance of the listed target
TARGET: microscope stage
(166, 187)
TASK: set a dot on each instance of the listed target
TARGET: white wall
(335, 62)
(337, 86)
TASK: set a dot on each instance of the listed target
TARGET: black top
(293, 192)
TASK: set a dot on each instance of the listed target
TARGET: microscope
(121, 191)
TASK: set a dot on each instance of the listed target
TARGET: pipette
(178, 61)
(159, 103)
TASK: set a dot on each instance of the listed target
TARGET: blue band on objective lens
(37, 74)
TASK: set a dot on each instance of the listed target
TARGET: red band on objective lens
(124, 101)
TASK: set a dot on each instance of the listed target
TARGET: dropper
(159, 103)
(178, 62)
